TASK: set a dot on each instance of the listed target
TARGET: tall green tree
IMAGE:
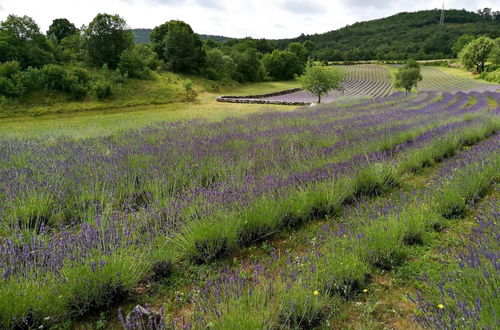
(476, 53)
(158, 42)
(320, 80)
(106, 37)
(283, 65)
(21, 40)
(408, 76)
(178, 46)
(60, 29)
(299, 50)
(183, 50)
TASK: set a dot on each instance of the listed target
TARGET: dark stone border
(259, 99)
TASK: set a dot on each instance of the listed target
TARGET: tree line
(92, 58)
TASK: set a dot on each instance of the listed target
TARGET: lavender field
(375, 80)
(85, 222)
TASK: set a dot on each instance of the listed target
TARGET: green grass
(115, 118)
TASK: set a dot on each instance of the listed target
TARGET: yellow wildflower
(316, 293)
(441, 306)
(365, 290)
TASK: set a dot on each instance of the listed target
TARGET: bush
(133, 64)
(103, 90)
(190, 93)
(8, 88)
(53, 77)
(209, 239)
(303, 307)
(9, 69)
(342, 273)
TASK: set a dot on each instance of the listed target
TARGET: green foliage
(461, 42)
(249, 67)
(106, 37)
(21, 40)
(452, 199)
(61, 28)
(133, 64)
(190, 93)
(175, 43)
(321, 80)
(405, 35)
(300, 51)
(493, 76)
(303, 307)
(283, 65)
(23, 28)
(408, 76)
(477, 52)
(218, 65)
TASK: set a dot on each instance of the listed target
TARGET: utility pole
(441, 21)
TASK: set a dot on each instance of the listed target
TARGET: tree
(23, 28)
(183, 48)
(495, 54)
(299, 50)
(106, 37)
(476, 53)
(21, 40)
(408, 76)
(60, 29)
(320, 80)
(218, 65)
(461, 42)
(249, 67)
(178, 46)
(283, 65)
(157, 38)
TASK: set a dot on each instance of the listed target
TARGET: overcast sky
(234, 18)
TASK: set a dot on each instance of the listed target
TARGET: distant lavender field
(375, 80)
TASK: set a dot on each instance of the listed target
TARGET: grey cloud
(383, 4)
(211, 4)
(302, 7)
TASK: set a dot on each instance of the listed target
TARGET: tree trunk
(319, 98)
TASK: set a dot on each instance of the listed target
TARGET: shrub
(103, 90)
(53, 77)
(383, 246)
(342, 273)
(8, 88)
(208, 239)
(9, 69)
(133, 64)
(190, 93)
(303, 307)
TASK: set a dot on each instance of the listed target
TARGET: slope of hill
(417, 35)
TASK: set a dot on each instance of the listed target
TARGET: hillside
(417, 35)
(141, 36)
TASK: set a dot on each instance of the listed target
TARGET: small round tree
(408, 76)
(320, 80)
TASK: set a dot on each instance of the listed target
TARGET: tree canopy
(320, 80)
(408, 76)
(106, 37)
(60, 29)
(180, 48)
(477, 53)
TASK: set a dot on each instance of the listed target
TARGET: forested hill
(417, 35)
(141, 36)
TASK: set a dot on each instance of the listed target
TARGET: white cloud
(236, 18)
